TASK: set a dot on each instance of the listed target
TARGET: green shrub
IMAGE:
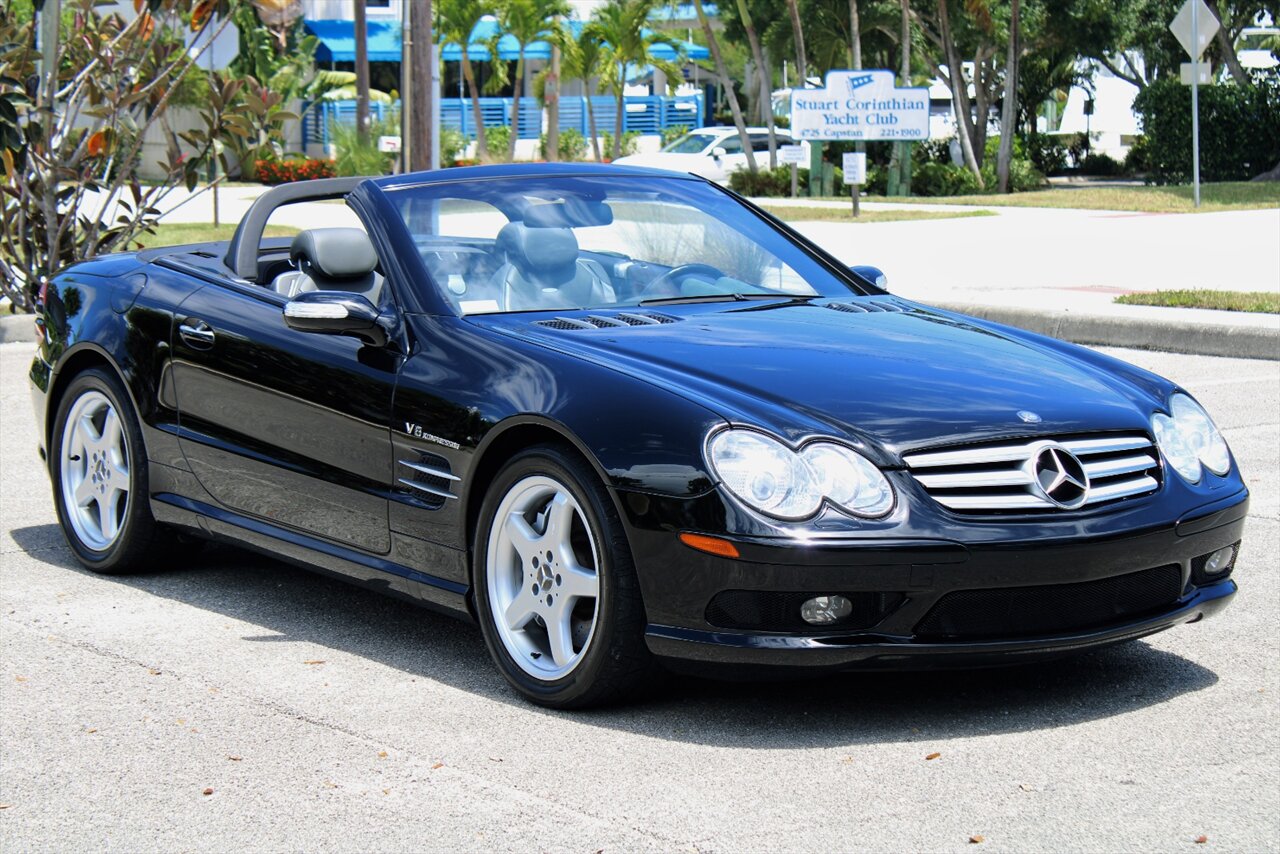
(1102, 165)
(498, 140)
(452, 144)
(671, 134)
(573, 145)
(1138, 160)
(630, 143)
(355, 158)
(932, 178)
(1047, 155)
(1239, 129)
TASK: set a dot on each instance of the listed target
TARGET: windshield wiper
(739, 297)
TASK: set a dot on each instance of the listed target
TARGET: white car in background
(712, 152)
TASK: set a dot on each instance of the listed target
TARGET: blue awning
(338, 43)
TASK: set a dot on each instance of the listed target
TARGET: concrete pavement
(325, 718)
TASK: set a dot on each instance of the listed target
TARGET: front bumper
(679, 583)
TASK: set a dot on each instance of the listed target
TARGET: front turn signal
(710, 545)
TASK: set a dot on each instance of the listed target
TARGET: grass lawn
(796, 213)
(1227, 196)
(178, 233)
(1259, 301)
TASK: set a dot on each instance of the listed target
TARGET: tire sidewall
(599, 515)
(138, 515)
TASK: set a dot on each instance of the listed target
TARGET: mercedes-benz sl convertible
(625, 420)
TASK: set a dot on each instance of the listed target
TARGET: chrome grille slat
(998, 477)
(434, 472)
(430, 490)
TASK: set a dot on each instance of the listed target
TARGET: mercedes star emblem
(1060, 476)
(1028, 416)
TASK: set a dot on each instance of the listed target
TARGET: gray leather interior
(542, 270)
(332, 259)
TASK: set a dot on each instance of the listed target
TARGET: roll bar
(242, 253)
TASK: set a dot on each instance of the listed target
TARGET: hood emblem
(1058, 475)
(1028, 416)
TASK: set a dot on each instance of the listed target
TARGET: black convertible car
(622, 417)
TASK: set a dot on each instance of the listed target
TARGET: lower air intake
(1050, 609)
(769, 611)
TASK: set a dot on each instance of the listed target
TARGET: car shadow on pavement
(294, 605)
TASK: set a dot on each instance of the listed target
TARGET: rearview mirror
(336, 313)
(717, 153)
(872, 275)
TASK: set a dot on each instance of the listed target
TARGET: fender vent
(429, 478)
(871, 306)
(600, 321)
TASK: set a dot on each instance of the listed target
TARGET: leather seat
(542, 270)
(332, 259)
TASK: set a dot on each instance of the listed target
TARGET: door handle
(197, 333)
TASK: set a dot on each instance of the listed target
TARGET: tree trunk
(1009, 109)
(1229, 56)
(766, 96)
(551, 95)
(901, 150)
(959, 97)
(855, 36)
(591, 122)
(362, 73)
(469, 74)
(982, 105)
(515, 106)
(727, 85)
(622, 106)
(793, 7)
(762, 68)
(421, 129)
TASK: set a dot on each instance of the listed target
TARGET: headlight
(1188, 439)
(770, 477)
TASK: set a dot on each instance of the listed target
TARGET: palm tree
(766, 89)
(527, 21)
(458, 19)
(579, 60)
(727, 84)
(620, 24)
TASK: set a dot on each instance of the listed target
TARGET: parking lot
(236, 702)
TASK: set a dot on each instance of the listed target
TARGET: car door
(733, 158)
(287, 426)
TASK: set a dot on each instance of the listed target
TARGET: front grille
(771, 611)
(986, 478)
(1050, 609)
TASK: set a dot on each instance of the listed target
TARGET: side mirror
(336, 313)
(872, 275)
(717, 153)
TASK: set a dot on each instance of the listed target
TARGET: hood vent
(599, 321)
(870, 306)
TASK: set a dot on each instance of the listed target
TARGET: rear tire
(555, 586)
(99, 470)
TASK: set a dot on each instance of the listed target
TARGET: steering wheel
(670, 282)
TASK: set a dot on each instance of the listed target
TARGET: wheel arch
(76, 361)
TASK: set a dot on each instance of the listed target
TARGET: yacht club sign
(860, 105)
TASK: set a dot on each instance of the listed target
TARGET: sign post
(1193, 26)
(854, 165)
(859, 106)
(794, 155)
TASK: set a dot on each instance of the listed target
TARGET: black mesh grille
(769, 611)
(599, 321)
(1050, 609)
(1199, 576)
(561, 323)
(866, 306)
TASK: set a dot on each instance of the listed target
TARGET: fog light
(825, 610)
(1219, 560)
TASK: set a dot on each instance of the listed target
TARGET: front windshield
(690, 143)
(555, 243)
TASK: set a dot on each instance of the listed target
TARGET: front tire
(99, 468)
(555, 586)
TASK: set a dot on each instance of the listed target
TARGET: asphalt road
(324, 718)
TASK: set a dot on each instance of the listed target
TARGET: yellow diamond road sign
(1206, 24)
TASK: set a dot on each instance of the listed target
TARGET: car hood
(903, 378)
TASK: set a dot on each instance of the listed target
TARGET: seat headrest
(336, 253)
(549, 255)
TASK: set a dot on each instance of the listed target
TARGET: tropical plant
(456, 21)
(726, 84)
(70, 141)
(620, 24)
(580, 60)
(357, 153)
(500, 143)
(527, 21)
(571, 145)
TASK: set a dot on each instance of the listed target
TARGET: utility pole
(406, 89)
(50, 18)
(421, 111)
(362, 72)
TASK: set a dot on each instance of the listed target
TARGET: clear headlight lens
(770, 477)
(849, 479)
(1189, 440)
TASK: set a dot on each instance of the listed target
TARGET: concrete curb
(1200, 339)
(1171, 335)
(17, 327)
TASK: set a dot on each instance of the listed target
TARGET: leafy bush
(671, 134)
(1239, 129)
(1138, 160)
(1102, 165)
(1047, 155)
(932, 178)
(776, 182)
(293, 169)
(498, 140)
(452, 144)
(630, 143)
(573, 145)
(363, 158)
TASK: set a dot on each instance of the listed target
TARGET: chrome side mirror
(872, 274)
(336, 313)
